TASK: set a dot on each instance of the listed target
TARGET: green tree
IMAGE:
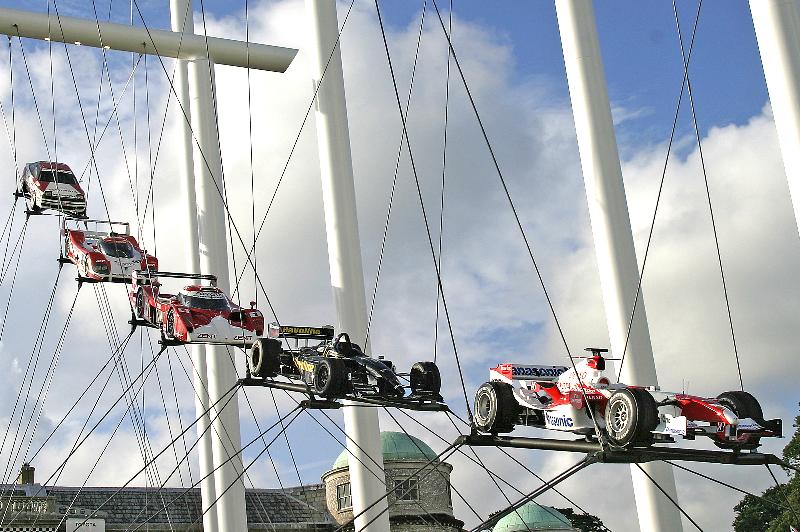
(583, 522)
(779, 506)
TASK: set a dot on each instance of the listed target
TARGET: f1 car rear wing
(512, 372)
(325, 332)
(150, 276)
(111, 225)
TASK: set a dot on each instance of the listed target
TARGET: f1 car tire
(743, 405)
(425, 379)
(631, 415)
(330, 378)
(265, 358)
(141, 304)
(496, 409)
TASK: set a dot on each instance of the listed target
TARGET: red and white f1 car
(197, 314)
(559, 398)
(104, 255)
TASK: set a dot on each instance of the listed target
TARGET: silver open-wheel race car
(336, 368)
(585, 402)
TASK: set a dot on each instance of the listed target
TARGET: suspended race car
(46, 185)
(104, 255)
(336, 368)
(197, 314)
(553, 397)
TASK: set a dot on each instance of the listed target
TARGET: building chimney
(26, 474)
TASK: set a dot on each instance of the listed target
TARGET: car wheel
(141, 304)
(265, 358)
(743, 405)
(425, 379)
(631, 416)
(169, 325)
(330, 378)
(496, 408)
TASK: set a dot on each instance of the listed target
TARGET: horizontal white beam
(138, 39)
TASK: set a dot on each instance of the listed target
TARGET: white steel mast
(613, 238)
(367, 480)
(777, 24)
(182, 21)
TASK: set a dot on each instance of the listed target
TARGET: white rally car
(46, 185)
(559, 398)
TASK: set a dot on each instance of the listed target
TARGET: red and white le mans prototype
(197, 314)
(559, 398)
(104, 255)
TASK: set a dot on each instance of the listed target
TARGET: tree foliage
(778, 508)
(583, 522)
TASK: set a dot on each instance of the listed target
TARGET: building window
(344, 501)
(406, 489)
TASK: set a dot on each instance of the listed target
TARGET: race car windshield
(117, 249)
(206, 301)
(48, 176)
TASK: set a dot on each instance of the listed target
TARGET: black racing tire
(425, 379)
(264, 359)
(330, 378)
(631, 416)
(141, 304)
(169, 325)
(743, 405)
(496, 408)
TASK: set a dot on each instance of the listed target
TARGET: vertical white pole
(777, 24)
(344, 252)
(213, 253)
(182, 20)
(613, 238)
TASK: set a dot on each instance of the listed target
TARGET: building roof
(533, 516)
(396, 446)
(136, 505)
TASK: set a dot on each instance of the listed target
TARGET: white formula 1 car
(559, 398)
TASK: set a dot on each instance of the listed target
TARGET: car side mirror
(252, 304)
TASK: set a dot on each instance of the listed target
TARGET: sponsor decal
(208, 294)
(243, 337)
(206, 336)
(302, 365)
(288, 329)
(536, 371)
(557, 420)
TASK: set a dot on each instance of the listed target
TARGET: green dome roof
(534, 517)
(396, 446)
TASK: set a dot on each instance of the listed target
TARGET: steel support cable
(394, 177)
(258, 427)
(12, 132)
(197, 483)
(422, 204)
(178, 409)
(516, 218)
(444, 175)
(289, 447)
(785, 495)
(492, 477)
(503, 451)
(250, 142)
(239, 476)
(53, 108)
(668, 496)
(33, 94)
(99, 99)
(80, 397)
(44, 391)
(441, 457)
(382, 480)
(721, 483)
(460, 496)
(6, 238)
(708, 197)
(571, 470)
(164, 450)
(660, 187)
(20, 241)
(26, 385)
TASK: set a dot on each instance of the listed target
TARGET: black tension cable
(422, 203)
(660, 188)
(668, 496)
(708, 196)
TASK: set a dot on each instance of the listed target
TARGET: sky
(512, 61)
